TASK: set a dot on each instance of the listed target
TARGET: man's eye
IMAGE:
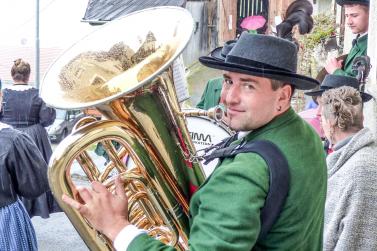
(248, 86)
(228, 81)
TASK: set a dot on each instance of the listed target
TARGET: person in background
(350, 211)
(23, 172)
(24, 110)
(258, 102)
(332, 81)
(101, 151)
(309, 114)
(212, 92)
(312, 104)
(357, 19)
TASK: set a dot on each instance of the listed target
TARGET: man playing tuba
(225, 213)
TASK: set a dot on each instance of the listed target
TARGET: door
(247, 8)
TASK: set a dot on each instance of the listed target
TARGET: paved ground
(57, 234)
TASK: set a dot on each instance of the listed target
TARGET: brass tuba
(123, 69)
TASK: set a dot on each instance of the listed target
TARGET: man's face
(357, 18)
(250, 101)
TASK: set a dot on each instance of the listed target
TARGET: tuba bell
(123, 69)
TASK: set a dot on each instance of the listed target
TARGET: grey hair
(343, 107)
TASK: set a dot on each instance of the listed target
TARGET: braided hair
(343, 107)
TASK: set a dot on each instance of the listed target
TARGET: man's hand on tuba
(106, 212)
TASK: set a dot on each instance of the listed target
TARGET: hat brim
(314, 93)
(216, 54)
(343, 2)
(299, 81)
(365, 97)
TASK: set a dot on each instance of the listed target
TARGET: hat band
(251, 63)
(325, 88)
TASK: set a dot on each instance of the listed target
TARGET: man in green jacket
(211, 94)
(357, 19)
(225, 213)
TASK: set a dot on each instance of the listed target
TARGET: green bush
(323, 30)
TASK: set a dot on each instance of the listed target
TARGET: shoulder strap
(279, 177)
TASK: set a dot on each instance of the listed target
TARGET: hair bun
(18, 62)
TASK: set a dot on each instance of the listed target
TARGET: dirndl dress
(17, 232)
(31, 117)
(45, 204)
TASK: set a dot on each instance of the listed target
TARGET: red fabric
(330, 150)
(184, 148)
(192, 189)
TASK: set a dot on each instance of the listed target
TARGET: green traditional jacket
(359, 49)
(211, 94)
(225, 211)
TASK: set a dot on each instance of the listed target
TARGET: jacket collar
(339, 157)
(362, 39)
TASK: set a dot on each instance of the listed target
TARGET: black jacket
(23, 171)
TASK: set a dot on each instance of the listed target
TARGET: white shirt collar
(19, 87)
(364, 34)
(3, 126)
(242, 134)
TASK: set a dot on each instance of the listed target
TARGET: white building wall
(370, 110)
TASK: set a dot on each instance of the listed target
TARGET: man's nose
(349, 20)
(233, 94)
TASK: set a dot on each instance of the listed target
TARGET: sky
(60, 22)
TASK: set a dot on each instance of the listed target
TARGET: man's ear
(286, 93)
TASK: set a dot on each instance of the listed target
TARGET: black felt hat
(334, 81)
(343, 2)
(221, 52)
(263, 56)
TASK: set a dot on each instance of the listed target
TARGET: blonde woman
(350, 211)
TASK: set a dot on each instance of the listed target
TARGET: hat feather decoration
(273, 57)
(298, 13)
